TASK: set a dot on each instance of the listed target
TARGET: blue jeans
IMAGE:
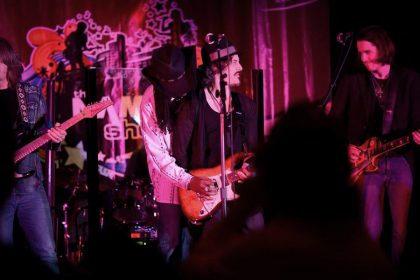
(31, 208)
(173, 235)
(394, 176)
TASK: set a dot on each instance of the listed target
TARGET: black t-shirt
(212, 130)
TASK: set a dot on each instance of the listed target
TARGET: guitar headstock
(93, 109)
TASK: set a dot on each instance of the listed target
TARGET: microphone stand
(345, 50)
(223, 191)
(50, 159)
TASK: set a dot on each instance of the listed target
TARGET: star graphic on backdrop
(77, 155)
(158, 6)
(101, 156)
(60, 30)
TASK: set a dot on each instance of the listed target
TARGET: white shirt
(165, 174)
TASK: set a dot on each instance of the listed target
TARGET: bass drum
(134, 202)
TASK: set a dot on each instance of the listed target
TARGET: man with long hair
(197, 142)
(26, 199)
(382, 103)
(172, 74)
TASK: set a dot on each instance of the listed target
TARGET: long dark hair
(14, 65)
(164, 114)
(206, 72)
(379, 37)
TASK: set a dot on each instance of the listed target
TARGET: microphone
(213, 38)
(343, 37)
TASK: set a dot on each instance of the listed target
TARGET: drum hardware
(133, 201)
(66, 235)
(143, 233)
(133, 213)
(135, 209)
(78, 230)
(74, 223)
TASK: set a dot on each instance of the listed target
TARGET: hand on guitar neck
(56, 133)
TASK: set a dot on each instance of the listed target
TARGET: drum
(134, 202)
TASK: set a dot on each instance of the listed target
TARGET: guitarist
(196, 139)
(26, 199)
(383, 102)
(172, 74)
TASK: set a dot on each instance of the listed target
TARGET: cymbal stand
(66, 235)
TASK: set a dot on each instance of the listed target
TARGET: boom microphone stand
(347, 42)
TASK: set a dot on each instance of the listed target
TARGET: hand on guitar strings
(203, 186)
(56, 133)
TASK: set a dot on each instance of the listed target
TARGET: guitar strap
(389, 107)
(22, 102)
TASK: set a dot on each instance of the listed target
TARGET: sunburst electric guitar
(88, 112)
(197, 209)
(371, 151)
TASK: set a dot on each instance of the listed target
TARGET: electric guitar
(88, 112)
(197, 209)
(371, 151)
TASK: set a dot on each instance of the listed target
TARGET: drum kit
(133, 209)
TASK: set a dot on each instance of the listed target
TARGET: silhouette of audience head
(309, 178)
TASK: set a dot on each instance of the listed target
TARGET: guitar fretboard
(392, 145)
(29, 148)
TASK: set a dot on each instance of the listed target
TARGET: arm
(157, 145)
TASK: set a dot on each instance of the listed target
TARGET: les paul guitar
(196, 208)
(88, 112)
(371, 151)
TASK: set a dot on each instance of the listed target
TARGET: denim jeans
(173, 235)
(394, 176)
(31, 208)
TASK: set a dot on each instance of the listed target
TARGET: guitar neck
(392, 145)
(72, 121)
(29, 148)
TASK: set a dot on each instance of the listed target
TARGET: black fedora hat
(172, 70)
(218, 50)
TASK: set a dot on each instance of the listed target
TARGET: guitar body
(370, 153)
(365, 163)
(197, 209)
